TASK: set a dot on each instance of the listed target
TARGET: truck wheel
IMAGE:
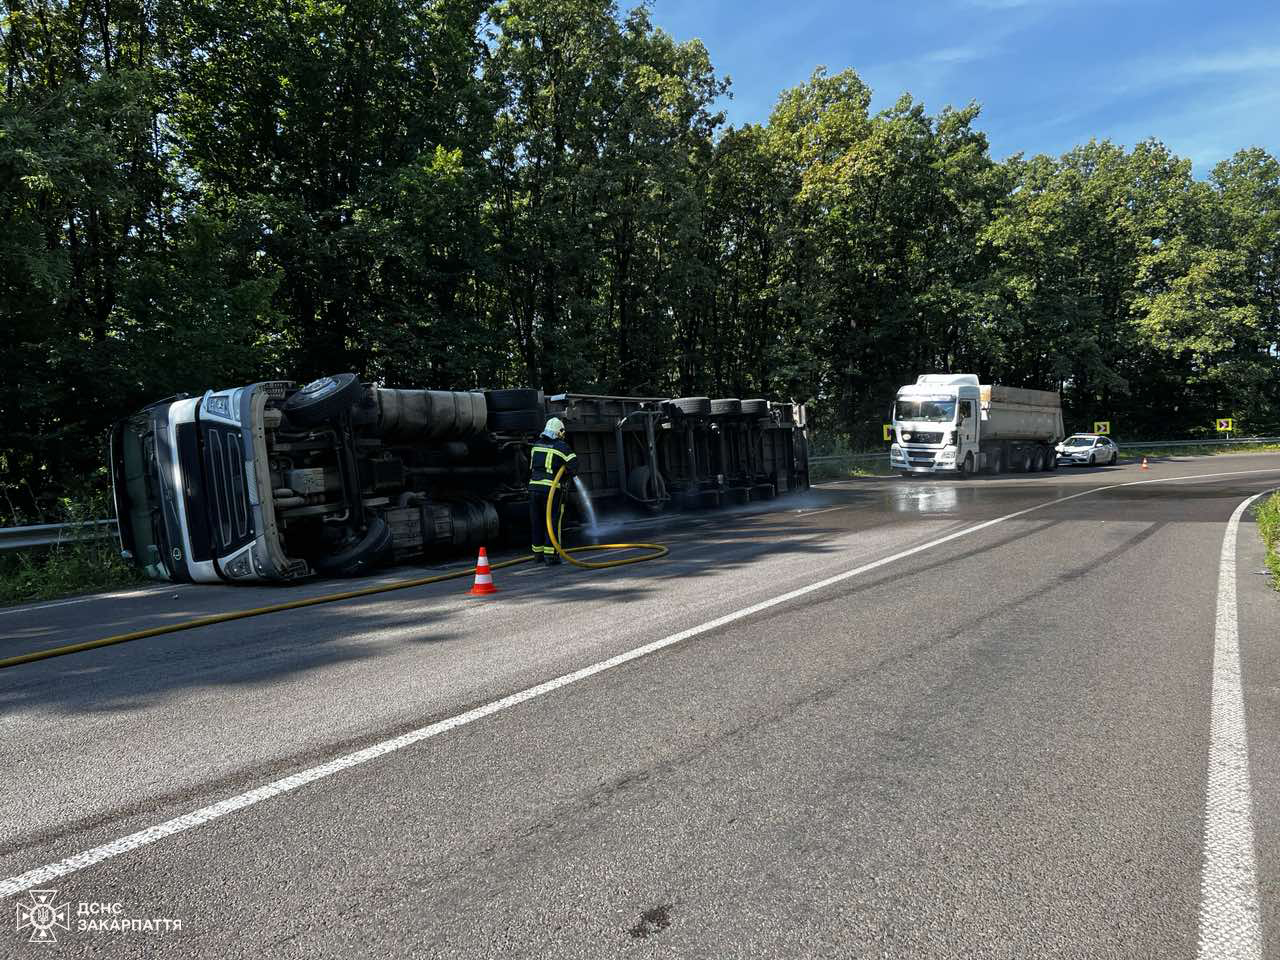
(1051, 460)
(997, 462)
(500, 401)
(362, 556)
(755, 408)
(517, 421)
(726, 407)
(693, 406)
(322, 399)
(1025, 464)
(966, 468)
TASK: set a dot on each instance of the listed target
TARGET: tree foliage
(451, 194)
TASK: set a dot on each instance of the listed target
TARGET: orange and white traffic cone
(1144, 464)
(484, 576)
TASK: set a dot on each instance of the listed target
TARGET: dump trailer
(275, 482)
(950, 423)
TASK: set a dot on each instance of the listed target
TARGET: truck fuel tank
(431, 414)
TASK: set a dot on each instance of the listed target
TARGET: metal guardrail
(51, 534)
(850, 457)
(1197, 443)
(1137, 444)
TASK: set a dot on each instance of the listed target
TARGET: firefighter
(549, 454)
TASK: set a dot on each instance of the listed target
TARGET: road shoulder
(1259, 617)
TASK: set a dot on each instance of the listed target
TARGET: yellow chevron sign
(1226, 425)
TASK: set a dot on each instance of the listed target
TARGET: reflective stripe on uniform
(552, 452)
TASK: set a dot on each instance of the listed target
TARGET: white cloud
(1248, 61)
(952, 55)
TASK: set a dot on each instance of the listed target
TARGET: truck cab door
(967, 432)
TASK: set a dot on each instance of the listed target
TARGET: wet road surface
(898, 718)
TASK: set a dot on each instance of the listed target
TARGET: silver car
(1088, 449)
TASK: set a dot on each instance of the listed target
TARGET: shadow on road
(261, 651)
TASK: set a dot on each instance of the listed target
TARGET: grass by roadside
(1268, 518)
(847, 470)
(70, 567)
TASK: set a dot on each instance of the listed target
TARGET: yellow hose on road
(660, 551)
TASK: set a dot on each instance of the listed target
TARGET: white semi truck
(950, 423)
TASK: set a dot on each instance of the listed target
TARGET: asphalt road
(951, 740)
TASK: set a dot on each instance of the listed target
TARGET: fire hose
(656, 550)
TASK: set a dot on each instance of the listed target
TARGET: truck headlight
(895, 451)
(948, 453)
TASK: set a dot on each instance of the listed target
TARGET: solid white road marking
(814, 513)
(34, 878)
(1230, 926)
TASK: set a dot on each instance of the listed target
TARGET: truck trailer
(950, 423)
(275, 482)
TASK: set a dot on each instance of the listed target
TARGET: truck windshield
(139, 506)
(934, 411)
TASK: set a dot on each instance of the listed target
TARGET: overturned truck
(271, 482)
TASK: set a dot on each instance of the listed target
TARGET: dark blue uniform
(545, 460)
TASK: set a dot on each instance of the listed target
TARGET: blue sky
(1203, 77)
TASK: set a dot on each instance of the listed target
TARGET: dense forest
(454, 194)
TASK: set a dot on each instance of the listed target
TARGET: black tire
(785, 413)
(517, 421)
(1025, 463)
(363, 555)
(966, 468)
(501, 401)
(1051, 464)
(726, 407)
(1114, 457)
(755, 408)
(322, 399)
(692, 406)
(997, 463)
